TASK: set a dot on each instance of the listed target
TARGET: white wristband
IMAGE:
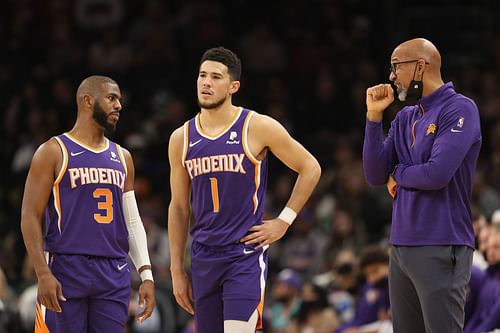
(146, 274)
(287, 215)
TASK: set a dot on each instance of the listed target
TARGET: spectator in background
(285, 300)
(479, 223)
(262, 51)
(346, 233)
(315, 314)
(304, 247)
(484, 195)
(9, 316)
(110, 54)
(372, 304)
(495, 218)
(341, 283)
(483, 307)
(99, 14)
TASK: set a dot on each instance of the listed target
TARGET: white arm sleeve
(138, 245)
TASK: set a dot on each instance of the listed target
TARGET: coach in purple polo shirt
(428, 161)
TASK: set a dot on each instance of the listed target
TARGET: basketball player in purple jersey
(80, 220)
(219, 175)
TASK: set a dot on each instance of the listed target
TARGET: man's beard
(411, 94)
(213, 105)
(101, 117)
(402, 92)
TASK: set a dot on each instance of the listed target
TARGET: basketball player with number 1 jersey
(80, 221)
(218, 165)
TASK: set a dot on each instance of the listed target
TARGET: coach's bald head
(420, 48)
(428, 62)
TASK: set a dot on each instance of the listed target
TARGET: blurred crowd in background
(305, 63)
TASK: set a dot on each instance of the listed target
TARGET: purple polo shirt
(431, 149)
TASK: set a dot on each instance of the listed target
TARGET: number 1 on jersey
(215, 194)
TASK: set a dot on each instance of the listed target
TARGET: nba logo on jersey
(460, 123)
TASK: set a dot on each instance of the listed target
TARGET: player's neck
(212, 120)
(89, 134)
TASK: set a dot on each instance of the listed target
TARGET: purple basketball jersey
(84, 214)
(228, 182)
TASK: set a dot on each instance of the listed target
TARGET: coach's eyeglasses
(393, 67)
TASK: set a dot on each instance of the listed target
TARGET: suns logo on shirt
(431, 129)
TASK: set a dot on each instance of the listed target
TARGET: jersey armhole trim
(244, 139)
(185, 142)
(64, 163)
(55, 187)
(122, 157)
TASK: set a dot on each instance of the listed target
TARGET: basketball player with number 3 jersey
(218, 164)
(80, 222)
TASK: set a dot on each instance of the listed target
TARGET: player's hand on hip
(266, 233)
(378, 98)
(183, 291)
(147, 300)
(50, 292)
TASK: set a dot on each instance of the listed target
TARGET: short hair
(93, 85)
(373, 255)
(226, 57)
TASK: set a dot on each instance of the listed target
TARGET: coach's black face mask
(415, 89)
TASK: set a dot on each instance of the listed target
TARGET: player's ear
(88, 101)
(234, 87)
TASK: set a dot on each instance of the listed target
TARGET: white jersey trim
(97, 151)
(206, 136)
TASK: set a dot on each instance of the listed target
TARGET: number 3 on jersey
(106, 205)
(215, 194)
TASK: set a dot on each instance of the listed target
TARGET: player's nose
(206, 82)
